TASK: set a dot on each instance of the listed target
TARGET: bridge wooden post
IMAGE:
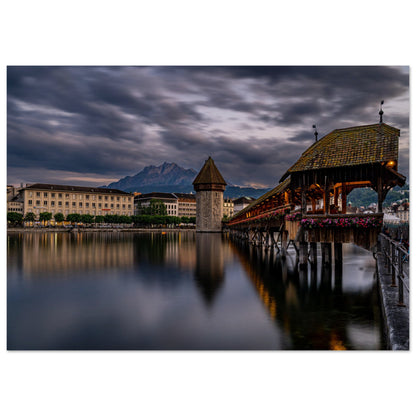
(326, 250)
(338, 255)
(313, 254)
(326, 199)
(303, 200)
(283, 243)
(303, 254)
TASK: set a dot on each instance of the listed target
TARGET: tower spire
(381, 111)
(315, 132)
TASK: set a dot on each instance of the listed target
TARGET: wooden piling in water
(283, 244)
(338, 254)
(303, 254)
(326, 250)
(313, 254)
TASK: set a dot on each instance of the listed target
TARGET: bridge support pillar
(338, 255)
(303, 254)
(283, 240)
(313, 254)
(326, 250)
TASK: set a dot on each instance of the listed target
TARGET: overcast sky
(95, 125)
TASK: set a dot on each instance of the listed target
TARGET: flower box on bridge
(361, 230)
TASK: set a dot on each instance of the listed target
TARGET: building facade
(177, 204)
(242, 202)
(144, 201)
(67, 199)
(228, 210)
(186, 204)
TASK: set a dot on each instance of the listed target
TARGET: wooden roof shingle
(350, 146)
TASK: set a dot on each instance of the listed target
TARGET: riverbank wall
(93, 230)
(396, 317)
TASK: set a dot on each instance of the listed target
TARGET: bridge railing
(397, 261)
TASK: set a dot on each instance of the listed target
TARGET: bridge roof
(277, 190)
(209, 174)
(351, 146)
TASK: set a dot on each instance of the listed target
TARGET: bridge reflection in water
(310, 304)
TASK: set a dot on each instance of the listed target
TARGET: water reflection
(209, 270)
(310, 304)
(181, 290)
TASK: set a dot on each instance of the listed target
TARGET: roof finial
(381, 111)
(315, 133)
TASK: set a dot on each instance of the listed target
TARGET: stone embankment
(396, 317)
(92, 229)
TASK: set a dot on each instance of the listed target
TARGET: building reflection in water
(309, 305)
(57, 254)
(209, 270)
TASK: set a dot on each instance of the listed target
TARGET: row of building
(67, 199)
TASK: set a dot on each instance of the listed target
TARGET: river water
(182, 291)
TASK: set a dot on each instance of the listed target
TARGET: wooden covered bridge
(309, 205)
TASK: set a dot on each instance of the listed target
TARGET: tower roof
(209, 174)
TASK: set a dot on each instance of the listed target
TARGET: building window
(52, 203)
(52, 195)
(67, 204)
(99, 205)
(59, 195)
(45, 203)
(29, 202)
(37, 193)
(60, 203)
(100, 197)
(74, 196)
(105, 205)
(93, 204)
(45, 194)
(112, 198)
(118, 198)
(106, 198)
(66, 195)
(80, 196)
(112, 205)
(80, 204)
(87, 197)
(73, 204)
(87, 204)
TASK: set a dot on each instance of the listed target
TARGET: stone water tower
(209, 186)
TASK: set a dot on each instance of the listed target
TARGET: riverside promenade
(395, 308)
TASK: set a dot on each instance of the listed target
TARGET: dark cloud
(255, 121)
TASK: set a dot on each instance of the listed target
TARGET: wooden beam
(344, 198)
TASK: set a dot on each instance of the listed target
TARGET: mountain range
(169, 177)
